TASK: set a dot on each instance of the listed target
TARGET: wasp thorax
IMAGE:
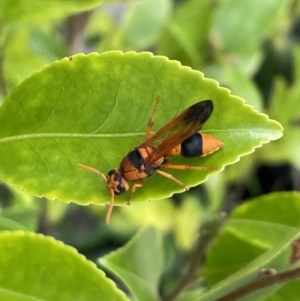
(117, 182)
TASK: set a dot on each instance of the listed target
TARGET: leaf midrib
(111, 135)
(67, 135)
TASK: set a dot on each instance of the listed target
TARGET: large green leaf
(92, 109)
(35, 267)
(139, 264)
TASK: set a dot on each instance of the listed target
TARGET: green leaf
(186, 33)
(144, 21)
(19, 10)
(23, 214)
(237, 33)
(215, 196)
(289, 292)
(35, 267)
(239, 83)
(188, 216)
(159, 214)
(139, 264)
(26, 216)
(20, 61)
(92, 109)
(9, 224)
(275, 257)
(284, 100)
(266, 208)
(264, 225)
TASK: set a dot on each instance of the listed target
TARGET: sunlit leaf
(92, 109)
(28, 259)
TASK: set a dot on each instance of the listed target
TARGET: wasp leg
(167, 164)
(150, 122)
(133, 189)
(169, 176)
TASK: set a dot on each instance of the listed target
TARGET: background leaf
(261, 19)
(138, 265)
(8, 224)
(20, 10)
(276, 257)
(145, 21)
(30, 259)
(255, 228)
(92, 109)
(186, 33)
(283, 103)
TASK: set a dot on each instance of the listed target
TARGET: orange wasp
(178, 137)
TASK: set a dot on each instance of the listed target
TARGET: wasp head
(117, 182)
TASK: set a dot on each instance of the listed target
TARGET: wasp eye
(116, 181)
(120, 184)
(111, 172)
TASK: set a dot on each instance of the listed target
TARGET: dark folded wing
(177, 130)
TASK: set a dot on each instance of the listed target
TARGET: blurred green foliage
(250, 47)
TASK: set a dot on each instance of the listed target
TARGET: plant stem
(207, 232)
(262, 282)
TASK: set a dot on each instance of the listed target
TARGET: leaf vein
(58, 100)
(110, 113)
(82, 112)
(100, 153)
(41, 157)
(66, 154)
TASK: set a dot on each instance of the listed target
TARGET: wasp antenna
(111, 206)
(93, 170)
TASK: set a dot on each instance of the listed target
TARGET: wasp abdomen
(192, 146)
(200, 145)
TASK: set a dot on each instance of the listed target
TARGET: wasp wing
(177, 130)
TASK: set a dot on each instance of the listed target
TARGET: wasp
(180, 136)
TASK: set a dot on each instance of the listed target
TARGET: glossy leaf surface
(28, 259)
(92, 109)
